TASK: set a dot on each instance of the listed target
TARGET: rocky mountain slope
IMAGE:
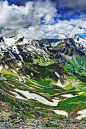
(80, 43)
(69, 52)
(38, 72)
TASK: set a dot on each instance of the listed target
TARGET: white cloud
(13, 19)
(47, 10)
(61, 36)
(48, 31)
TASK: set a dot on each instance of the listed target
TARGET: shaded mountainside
(67, 55)
(26, 68)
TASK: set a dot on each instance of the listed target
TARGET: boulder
(17, 122)
(14, 116)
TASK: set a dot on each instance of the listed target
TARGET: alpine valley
(44, 78)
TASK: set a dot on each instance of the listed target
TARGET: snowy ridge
(19, 47)
(80, 43)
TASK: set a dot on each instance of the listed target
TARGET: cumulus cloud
(48, 31)
(15, 17)
(36, 19)
(46, 10)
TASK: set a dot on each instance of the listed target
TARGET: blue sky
(43, 18)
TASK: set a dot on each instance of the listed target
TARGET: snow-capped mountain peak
(80, 43)
(18, 46)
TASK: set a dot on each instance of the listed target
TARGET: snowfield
(82, 114)
(67, 95)
(39, 98)
(18, 96)
(61, 112)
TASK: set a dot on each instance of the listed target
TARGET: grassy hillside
(66, 54)
(40, 87)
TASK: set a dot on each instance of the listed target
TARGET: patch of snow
(17, 69)
(3, 45)
(20, 64)
(54, 44)
(57, 75)
(20, 79)
(59, 83)
(68, 57)
(31, 74)
(18, 37)
(11, 55)
(80, 43)
(33, 48)
(1, 52)
(6, 66)
(18, 96)
(56, 98)
(21, 57)
(61, 112)
(80, 93)
(20, 43)
(13, 71)
(1, 67)
(38, 98)
(9, 41)
(25, 41)
(67, 95)
(28, 76)
(82, 114)
(15, 49)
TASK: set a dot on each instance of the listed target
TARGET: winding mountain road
(22, 79)
(74, 57)
(74, 84)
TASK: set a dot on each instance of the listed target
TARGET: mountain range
(68, 52)
(44, 73)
